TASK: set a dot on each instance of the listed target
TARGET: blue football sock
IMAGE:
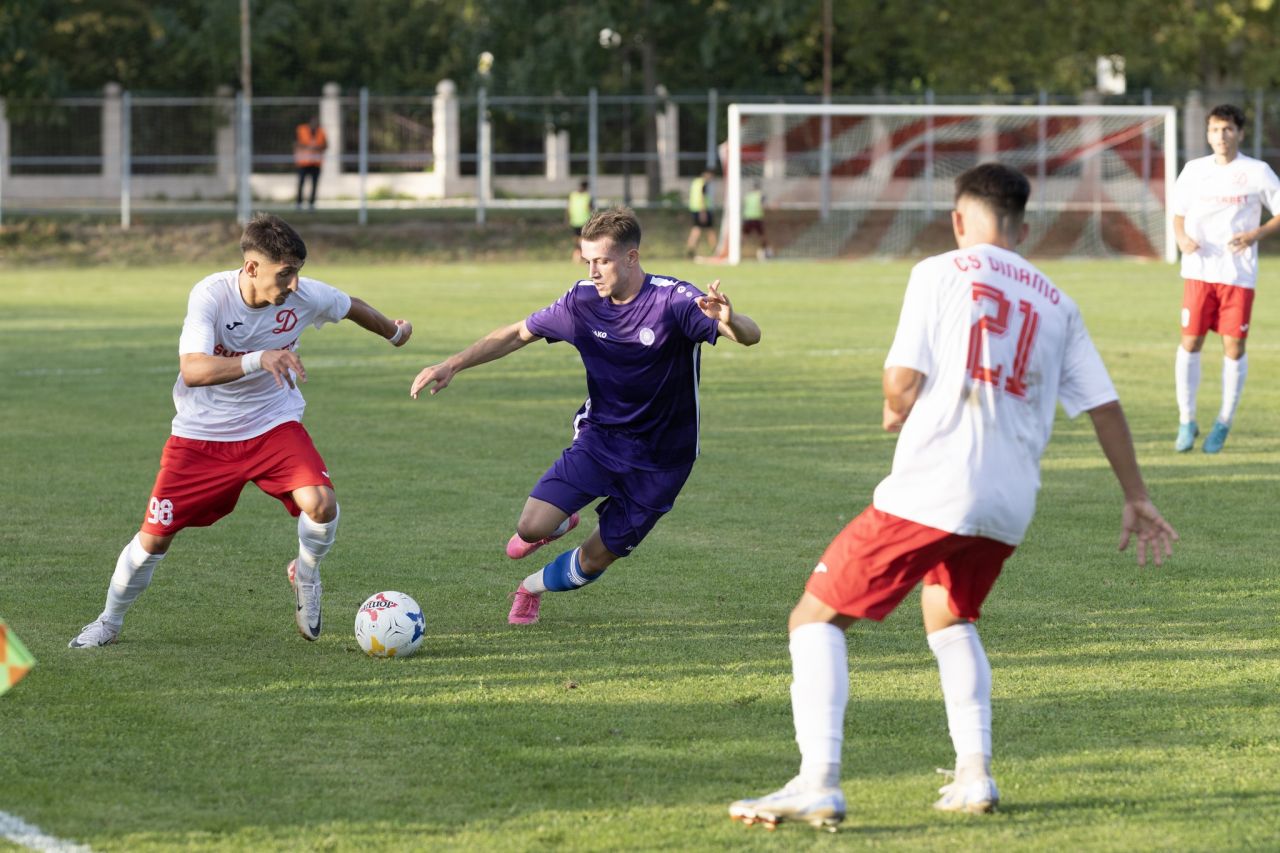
(565, 573)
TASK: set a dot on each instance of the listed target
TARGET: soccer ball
(389, 624)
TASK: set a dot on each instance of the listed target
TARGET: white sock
(1186, 376)
(966, 689)
(534, 583)
(819, 693)
(1233, 373)
(133, 572)
(314, 541)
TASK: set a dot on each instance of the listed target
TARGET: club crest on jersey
(287, 320)
(646, 336)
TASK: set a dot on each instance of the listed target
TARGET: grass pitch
(1134, 709)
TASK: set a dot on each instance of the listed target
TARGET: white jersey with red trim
(999, 345)
(1217, 201)
(219, 323)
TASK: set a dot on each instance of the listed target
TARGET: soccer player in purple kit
(636, 436)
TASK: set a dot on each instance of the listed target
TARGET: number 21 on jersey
(988, 351)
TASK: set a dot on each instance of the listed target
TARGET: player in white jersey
(1217, 208)
(985, 348)
(239, 416)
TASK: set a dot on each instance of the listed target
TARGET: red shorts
(878, 558)
(200, 481)
(1221, 308)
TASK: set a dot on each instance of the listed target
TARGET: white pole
(1170, 176)
(244, 160)
(733, 188)
(482, 153)
(593, 142)
(126, 164)
(363, 218)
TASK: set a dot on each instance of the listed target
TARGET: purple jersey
(642, 362)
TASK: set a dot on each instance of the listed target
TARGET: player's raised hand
(441, 374)
(282, 364)
(1155, 535)
(715, 304)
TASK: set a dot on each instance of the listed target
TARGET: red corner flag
(15, 660)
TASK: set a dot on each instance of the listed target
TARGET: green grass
(1134, 709)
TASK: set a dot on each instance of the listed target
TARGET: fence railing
(125, 151)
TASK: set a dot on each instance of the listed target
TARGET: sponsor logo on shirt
(231, 326)
(599, 334)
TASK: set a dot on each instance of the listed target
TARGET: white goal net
(843, 181)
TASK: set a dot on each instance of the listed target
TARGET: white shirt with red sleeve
(1217, 201)
(999, 345)
(219, 323)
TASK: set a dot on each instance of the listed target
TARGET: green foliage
(969, 47)
(1134, 709)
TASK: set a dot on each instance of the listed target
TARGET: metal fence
(127, 152)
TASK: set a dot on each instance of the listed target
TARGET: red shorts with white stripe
(1221, 308)
(878, 558)
(200, 481)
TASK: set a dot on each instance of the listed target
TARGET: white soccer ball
(390, 624)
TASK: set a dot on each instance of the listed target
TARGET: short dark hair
(1001, 188)
(617, 223)
(271, 236)
(1230, 112)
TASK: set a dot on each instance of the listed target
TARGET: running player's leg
(1199, 316)
(865, 572)
(194, 488)
(951, 601)
(1233, 324)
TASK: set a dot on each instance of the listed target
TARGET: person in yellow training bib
(577, 213)
(753, 220)
(700, 210)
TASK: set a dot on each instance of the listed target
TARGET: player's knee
(320, 505)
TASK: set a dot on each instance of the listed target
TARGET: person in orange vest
(308, 153)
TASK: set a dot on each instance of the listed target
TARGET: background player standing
(700, 213)
(577, 212)
(1217, 205)
(985, 347)
(239, 415)
(309, 144)
(636, 437)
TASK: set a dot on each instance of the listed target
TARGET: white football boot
(973, 794)
(307, 597)
(96, 633)
(798, 801)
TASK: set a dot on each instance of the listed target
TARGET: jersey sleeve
(1270, 190)
(198, 326)
(555, 322)
(1085, 383)
(695, 325)
(1181, 204)
(331, 305)
(912, 346)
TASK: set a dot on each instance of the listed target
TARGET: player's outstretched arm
(364, 315)
(493, 346)
(1140, 517)
(901, 388)
(738, 328)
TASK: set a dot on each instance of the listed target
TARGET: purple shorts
(634, 498)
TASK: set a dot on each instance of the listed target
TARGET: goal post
(850, 180)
